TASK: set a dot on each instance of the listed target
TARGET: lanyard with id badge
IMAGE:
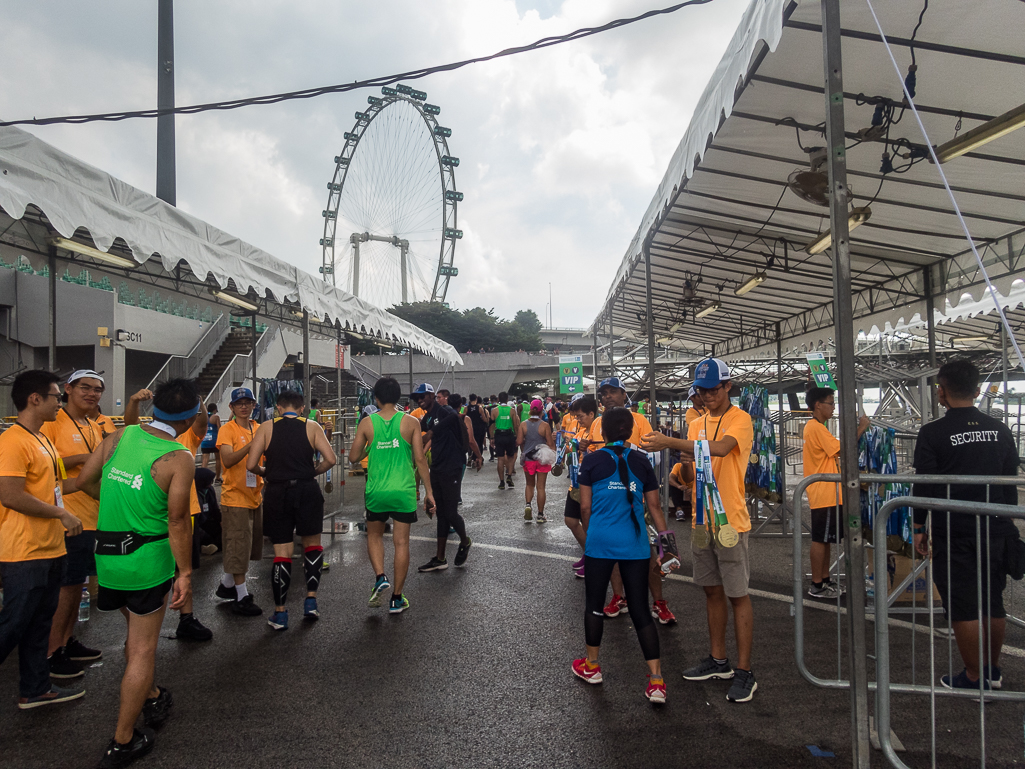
(58, 464)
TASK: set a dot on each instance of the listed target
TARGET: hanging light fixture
(708, 309)
(95, 253)
(751, 283)
(965, 339)
(235, 300)
(983, 134)
(858, 216)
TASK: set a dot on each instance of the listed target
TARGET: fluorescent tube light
(983, 134)
(963, 339)
(857, 217)
(95, 253)
(235, 300)
(707, 310)
(751, 283)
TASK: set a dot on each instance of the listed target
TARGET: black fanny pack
(123, 542)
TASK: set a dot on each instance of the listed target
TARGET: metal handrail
(882, 647)
(243, 362)
(188, 366)
(798, 605)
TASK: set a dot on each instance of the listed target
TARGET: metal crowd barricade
(885, 597)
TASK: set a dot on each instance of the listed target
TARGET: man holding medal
(719, 444)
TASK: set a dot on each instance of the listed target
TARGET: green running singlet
(391, 483)
(504, 420)
(524, 411)
(132, 501)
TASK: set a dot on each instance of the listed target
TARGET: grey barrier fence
(884, 597)
(882, 647)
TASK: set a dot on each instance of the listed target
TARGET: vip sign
(820, 370)
(571, 374)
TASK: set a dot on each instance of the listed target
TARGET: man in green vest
(507, 425)
(392, 443)
(143, 478)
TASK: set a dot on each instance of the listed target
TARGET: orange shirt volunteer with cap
(723, 571)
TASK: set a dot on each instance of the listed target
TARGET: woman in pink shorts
(537, 444)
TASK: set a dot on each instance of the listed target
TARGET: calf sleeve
(280, 579)
(313, 562)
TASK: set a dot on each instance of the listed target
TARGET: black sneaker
(462, 552)
(709, 668)
(61, 666)
(434, 564)
(509, 481)
(79, 652)
(122, 755)
(743, 688)
(501, 486)
(191, 629)
(226, 593)
(246, 607)
(157, 709)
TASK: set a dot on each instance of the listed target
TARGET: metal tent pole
(1003, 359)
(338, 379)
(843, 317)
(780, 453)
(253, 353)
(930, 326)
(166, 183)
(594, 360)
(410, 352)
(652, 384)
(52, 307)
(306, 359)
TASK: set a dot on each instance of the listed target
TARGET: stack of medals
(708, 498)
(573, 448)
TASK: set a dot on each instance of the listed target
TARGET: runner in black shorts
(507, 424)
(584, 410)
(292, 501)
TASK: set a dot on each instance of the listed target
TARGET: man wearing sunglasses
(723, 572)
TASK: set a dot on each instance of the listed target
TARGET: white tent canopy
(74, 195)
(723, 211)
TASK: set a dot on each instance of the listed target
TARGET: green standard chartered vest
(524, 411)
(130, 500)
(391, 483)
(504, 420)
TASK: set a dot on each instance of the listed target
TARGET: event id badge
(58, 496)
(250, 479)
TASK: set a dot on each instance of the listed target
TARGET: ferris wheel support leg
(355, 267)
(403, 249)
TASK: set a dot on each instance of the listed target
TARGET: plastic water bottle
(83, 606)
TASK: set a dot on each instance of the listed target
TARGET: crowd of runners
(79, 497)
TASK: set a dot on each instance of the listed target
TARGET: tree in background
(475, 328)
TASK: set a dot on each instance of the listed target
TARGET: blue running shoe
(398, 605)
(962, 681)
(279, 620)
(377, 594)
(310, 609)
(993, 675)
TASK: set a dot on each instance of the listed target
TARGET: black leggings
(597, 573)
(446, 488)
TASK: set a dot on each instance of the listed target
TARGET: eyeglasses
(87, 389)
(53, 395)
(706, 390)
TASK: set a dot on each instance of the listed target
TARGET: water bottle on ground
(83, 606)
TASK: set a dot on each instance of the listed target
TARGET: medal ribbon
(714, 499)
(699, 484)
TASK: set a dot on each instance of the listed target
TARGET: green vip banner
(571, 374)
(820, 370)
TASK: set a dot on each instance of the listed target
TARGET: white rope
(946, 186)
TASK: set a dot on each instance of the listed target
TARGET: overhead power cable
(376, 82)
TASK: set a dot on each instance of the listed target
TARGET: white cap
(84, 373)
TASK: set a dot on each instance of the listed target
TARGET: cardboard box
(898, 567)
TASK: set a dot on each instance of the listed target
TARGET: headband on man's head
(181, 416)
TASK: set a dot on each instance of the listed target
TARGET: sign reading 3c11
(820, 370)
(571, 374)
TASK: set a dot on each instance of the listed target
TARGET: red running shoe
(616, 606)
(656, 691)
(591, 672)
(661, 612)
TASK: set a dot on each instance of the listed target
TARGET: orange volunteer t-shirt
(234, 490)
(821, 449)
(641, 428)
(691, 415)
(191, 441)
(70, 438)
(106, 424)
(677, 473)
(25, 537)
(731, 470)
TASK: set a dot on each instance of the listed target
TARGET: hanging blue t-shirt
(210, 439)
(614, 530)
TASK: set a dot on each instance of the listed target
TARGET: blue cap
(241, 393)
(612, 381)
(710, 372)
(423, 388)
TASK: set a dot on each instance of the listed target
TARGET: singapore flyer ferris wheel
(390, 225)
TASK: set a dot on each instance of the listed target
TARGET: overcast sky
(561, 150)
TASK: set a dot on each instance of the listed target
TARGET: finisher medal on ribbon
(725, 535)
(699, 536)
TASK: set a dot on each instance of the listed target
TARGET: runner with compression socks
(292, 500)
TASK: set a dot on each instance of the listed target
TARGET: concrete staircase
(238, 342)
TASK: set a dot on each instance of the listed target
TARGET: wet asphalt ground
(477, 672)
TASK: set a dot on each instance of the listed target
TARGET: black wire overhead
(376, 82)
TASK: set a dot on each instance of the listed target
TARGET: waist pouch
(123, 542)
